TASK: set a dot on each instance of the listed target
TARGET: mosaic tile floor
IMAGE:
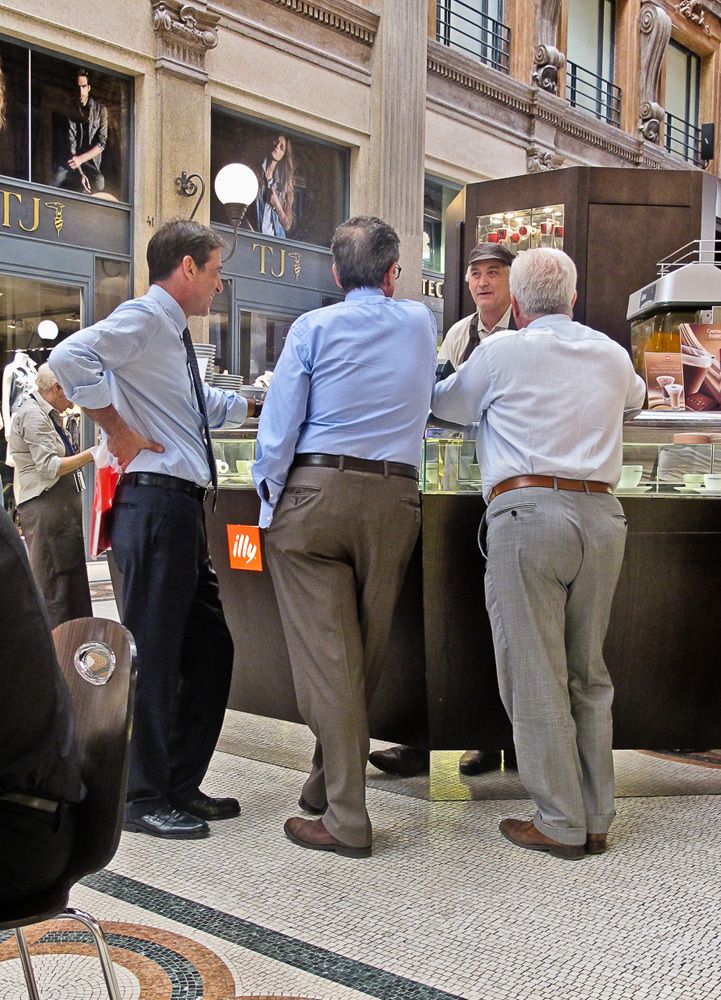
(444, 909)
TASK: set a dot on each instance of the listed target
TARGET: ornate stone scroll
(547, 60)
(184, 33)
(693, 10)
(655, 28)
(538, 159)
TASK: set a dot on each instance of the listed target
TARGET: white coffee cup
(630, 476)
(712, 482)
(693, 479)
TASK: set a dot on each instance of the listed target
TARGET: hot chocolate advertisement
(691, 379)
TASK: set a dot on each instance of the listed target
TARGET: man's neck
(489, 320)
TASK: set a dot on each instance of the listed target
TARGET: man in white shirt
(550, 399)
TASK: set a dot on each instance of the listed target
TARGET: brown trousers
(338, 549)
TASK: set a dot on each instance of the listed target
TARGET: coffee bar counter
(439, 686)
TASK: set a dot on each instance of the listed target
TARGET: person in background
(550, 400)
(40, 782)
(276, 188)
(48, 489)
(336, 471)
(489, 265)
(136, 375)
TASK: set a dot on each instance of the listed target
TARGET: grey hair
(46, 378)
(543, 281)
(363, 249)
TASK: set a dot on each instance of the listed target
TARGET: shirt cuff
(91, 397)
(266, 514)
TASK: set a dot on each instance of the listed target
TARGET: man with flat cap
(489, 267)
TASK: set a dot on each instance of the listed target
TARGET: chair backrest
(103, 723)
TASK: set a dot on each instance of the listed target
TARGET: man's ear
(188, 265)
(516, 311)
(335, 276)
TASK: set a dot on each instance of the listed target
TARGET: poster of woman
(276, 188)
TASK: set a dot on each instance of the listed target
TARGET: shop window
(683, 83)
(34, 316)
(590, 59)
(476, 29)
(112, 285)
(302, 183)
(437, 196)
(64, 124)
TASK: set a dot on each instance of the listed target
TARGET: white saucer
(708, 491)
(688, 489)
(632, 489)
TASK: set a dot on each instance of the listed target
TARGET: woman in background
(276, 189)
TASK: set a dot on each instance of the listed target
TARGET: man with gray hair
(551, 400)
(47, 486)
(336, 470)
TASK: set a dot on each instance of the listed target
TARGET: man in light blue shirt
(550, 399)
(338, 445)
(133, 374)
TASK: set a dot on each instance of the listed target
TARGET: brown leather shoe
(595, 843)
(523, 833)
(311, 833)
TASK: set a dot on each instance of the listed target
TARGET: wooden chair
(97, 658)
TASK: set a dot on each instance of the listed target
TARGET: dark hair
(363, 249)
(81, 71)
(285, 173)
(177, 239)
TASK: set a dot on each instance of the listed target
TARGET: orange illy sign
(244, 547)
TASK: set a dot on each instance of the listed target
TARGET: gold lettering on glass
(36, 218)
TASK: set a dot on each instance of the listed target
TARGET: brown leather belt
(351, 464)
(551, 483)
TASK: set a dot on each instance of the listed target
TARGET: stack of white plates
(233, 382)
(205, 353)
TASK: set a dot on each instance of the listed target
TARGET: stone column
(655, 28)
(398, 131)
(184, 33)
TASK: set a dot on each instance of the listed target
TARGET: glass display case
(655, 470)
(234, 452)
(523, 228)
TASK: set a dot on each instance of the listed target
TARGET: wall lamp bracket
(186, 186)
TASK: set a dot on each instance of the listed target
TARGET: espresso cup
(713, 482)
(693, 479)
(630, 476)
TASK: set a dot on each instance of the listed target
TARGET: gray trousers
(554, 558)
(338, 548)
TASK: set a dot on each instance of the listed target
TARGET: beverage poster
(700, 347)
(664, 381)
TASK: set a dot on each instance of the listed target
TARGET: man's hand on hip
(123, 442)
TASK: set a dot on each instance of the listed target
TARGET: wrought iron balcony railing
(461, 26)
(683, 138)
(592, 93)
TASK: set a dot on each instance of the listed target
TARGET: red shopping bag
(106, 480)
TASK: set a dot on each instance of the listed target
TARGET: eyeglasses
(397, 271)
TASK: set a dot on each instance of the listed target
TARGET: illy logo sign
(244, 547)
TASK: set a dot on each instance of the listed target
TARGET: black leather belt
(551, 483)
(347, 462)
(31, 801)
(166, 483)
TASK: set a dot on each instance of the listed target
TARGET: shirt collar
(502, 323)
(170, 305)
(550, 318)
(357, 293)
(43, 403)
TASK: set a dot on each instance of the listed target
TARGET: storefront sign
(272, 261)
(244, 547)
(432, 288)
(69, 220)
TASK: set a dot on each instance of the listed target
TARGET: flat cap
(491, 251)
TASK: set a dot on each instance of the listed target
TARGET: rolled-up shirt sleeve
(224, 406)
(41, 440)
(80, 362)
(280, 422)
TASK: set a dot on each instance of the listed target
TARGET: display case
(234, 452)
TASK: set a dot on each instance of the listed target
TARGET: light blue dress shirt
(135, 360)
(354, 378)
(550, 400)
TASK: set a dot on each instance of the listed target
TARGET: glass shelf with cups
(652, 470)
(234, 455)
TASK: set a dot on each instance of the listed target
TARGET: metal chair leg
(106, 962)
(27, 965)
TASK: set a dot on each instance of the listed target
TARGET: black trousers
(171, 604)
(35, 847)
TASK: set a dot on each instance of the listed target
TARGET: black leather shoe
(308, 808)
(169, 823)
(406, 762)
(205, 807)
(479, 761)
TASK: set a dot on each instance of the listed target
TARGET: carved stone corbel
(538, 160)
(655, 28)
(693, 10)
(184, 32)
(547, 60)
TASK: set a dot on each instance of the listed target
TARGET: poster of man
(87, 137)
